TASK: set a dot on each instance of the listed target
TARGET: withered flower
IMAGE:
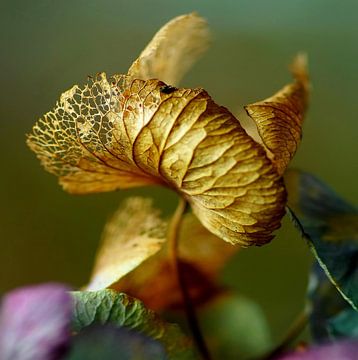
(139, 129)
(133, 257)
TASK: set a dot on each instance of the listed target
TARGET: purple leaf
(35, 323)
(342, 350)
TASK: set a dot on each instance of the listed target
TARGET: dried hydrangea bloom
(134, 254)
(133, 130)
(134, 233)
(279, 118)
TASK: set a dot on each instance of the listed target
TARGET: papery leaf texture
(106, 342)
(330, 225)
(173, 50)
(132, 133)
(201, 254)
(331, 317)
(130, 130)
(113, 308)
(135, 232)
(279, 118)
(35, 323)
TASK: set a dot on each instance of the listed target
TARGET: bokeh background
(47, 46)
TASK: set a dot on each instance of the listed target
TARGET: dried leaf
(202, 255)
(134, 233)
(155, 283)
(173, 50)
(279, 118)
(207, 252)
(123, 133)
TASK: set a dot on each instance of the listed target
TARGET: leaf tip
(299, 68)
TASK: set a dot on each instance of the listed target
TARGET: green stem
(173, 239)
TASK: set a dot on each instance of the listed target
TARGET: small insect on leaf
(167, 89)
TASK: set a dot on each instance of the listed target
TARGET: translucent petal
(173, 50)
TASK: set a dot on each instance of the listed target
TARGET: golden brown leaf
(201, 254)
(134, 257)
(203, 249)
(160, 291)
(173, 50)
(121, 133)
(279, 118)
(134, 233)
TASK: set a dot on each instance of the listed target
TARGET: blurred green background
(47, 46)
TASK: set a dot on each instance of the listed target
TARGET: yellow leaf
(279, 118)
(134, 233)
(173, 50)
(121, 133)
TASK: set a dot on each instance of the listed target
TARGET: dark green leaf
(330, 225)
(111, 307)
(106, 342)
(331, 317)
